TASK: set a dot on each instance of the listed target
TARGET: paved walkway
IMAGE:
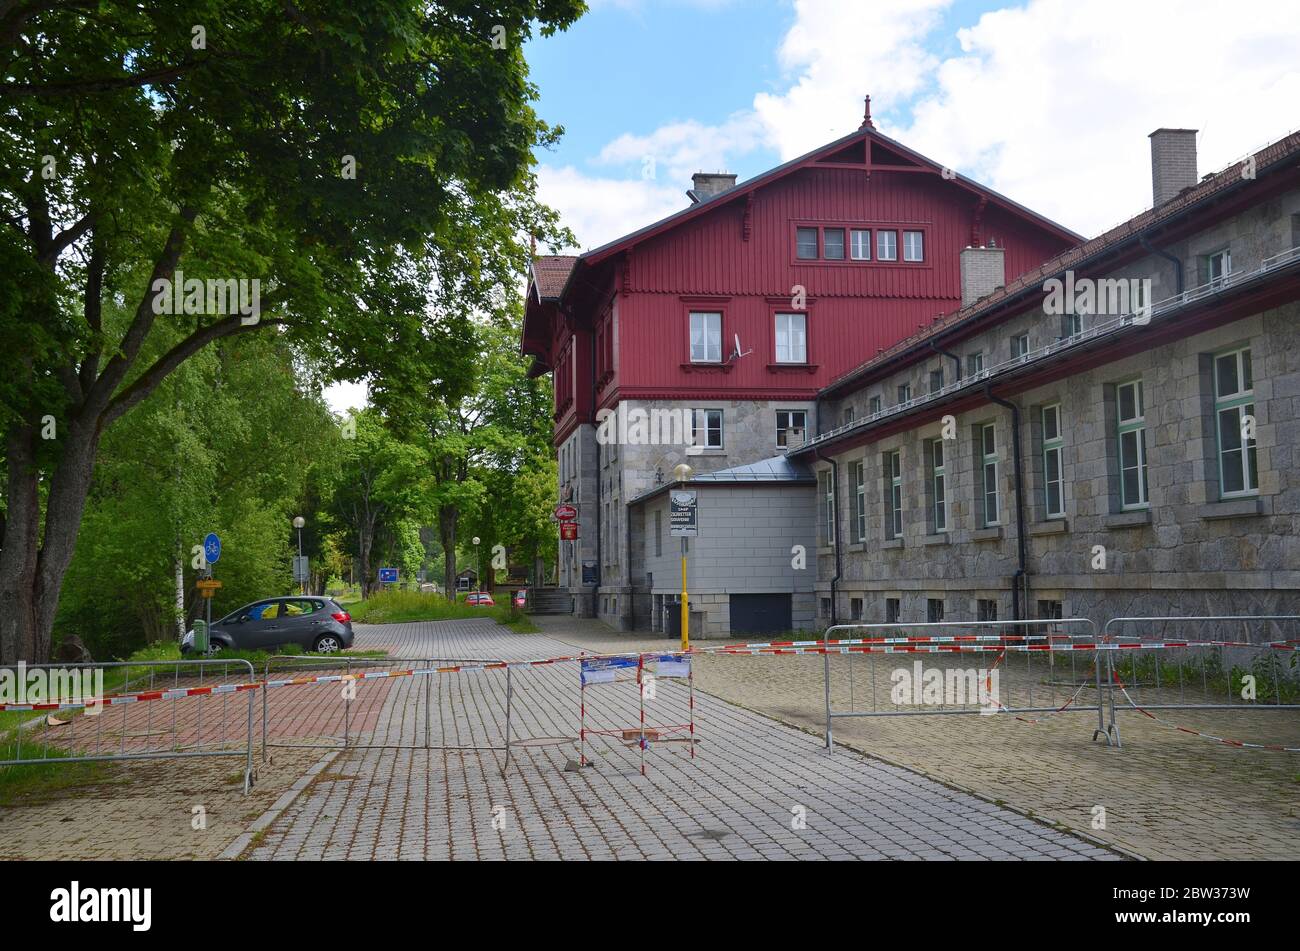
(1166, 794)
(756, 789)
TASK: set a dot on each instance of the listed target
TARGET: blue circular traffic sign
(212, 548)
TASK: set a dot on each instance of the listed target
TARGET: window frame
(828, 499)
(881, 233)
(788, 426)
(1240, 403)
(1136, 424)
(938, 486)
(776, 337)
(853, 256)
(858, 473)
(987, 491)
(904, 246)
(695, 428)
(1016, 340)
(893, 473)
(691, 314)
(1056, 445)
(974, 363)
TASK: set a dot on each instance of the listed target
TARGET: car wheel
(215, 647)
(327, 644)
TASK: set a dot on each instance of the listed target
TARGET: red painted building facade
(811, 267)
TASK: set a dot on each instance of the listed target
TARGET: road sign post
(211, 555)
(683, 522)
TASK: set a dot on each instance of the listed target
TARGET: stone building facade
(1157, 445)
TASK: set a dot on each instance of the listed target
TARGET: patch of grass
(27, 783)
(395, 607)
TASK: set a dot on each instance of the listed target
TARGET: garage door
(760, 613)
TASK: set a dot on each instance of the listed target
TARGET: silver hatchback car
(314, 623)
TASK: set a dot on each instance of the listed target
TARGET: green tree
(346, 156)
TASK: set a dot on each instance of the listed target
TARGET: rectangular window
(1131, 431)
(825, 607)
(806, 244)
(791, 338)
(860, 244)
(855, 609)
(846, 417)
(892, 610)
(936, 380)
(886, 245)
(1234, 413)
(904, 392)
(938, 486)
(894, 494)
(1019, 346)
(859, 476)
(706, 337)
(873, 406)
(790, 427)
(913, 246)
(934, 610)
(833, 244)
(1053, 481)
(988, 447)
(826, 504)
(706, 428)
(1050, 610)
(974, 363)
(1218, 265)
(1072, 325)
(659, 533)
(986, 609)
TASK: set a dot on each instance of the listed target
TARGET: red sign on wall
(565, 513)
(568, 531)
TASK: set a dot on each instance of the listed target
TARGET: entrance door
(760, 613)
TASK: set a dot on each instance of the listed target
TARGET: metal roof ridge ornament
(866, 115)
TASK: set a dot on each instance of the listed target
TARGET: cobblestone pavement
(756, 789)
(1166, 794)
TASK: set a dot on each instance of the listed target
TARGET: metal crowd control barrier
(345, 672)
(161, 698)
(1206, 674)
(1051, 639)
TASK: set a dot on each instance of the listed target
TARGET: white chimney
(1173, 163)
(983, 271)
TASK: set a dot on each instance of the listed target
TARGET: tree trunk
(20, 554)
(447, 516)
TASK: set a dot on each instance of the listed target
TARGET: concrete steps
(549, 601)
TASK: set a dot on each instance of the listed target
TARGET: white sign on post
(682, 509)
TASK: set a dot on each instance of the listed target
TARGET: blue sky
(650, 63)
(1047, 101)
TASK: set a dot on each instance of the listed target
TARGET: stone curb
(237, 848)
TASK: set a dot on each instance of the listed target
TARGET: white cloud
(598, 210)
(1049, 102)
(1052, 103)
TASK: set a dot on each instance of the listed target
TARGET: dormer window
(833, 244)
(806, 244)
(886, 245)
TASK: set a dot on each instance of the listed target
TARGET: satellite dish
(737, 353)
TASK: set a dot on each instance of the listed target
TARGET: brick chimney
(1173, 163)
(983, 271)
(708, 184)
